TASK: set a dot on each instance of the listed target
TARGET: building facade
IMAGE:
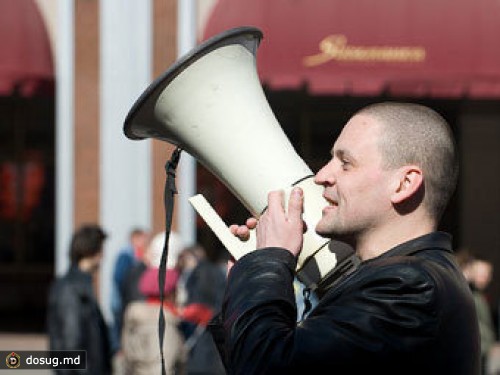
(65, 161)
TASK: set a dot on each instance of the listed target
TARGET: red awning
(26, 58)
(445, 48)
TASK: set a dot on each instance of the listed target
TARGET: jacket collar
(77, 273)
(81, 281)
(434, 240)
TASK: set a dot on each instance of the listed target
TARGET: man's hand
(276, 228)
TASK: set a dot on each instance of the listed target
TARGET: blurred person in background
(478, 273)
(201, 292)
(128, 257)
(151, 257)
(141, 353)
(140, 344)
(74, 317)
(186, 263)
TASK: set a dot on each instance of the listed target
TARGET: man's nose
(325, 176)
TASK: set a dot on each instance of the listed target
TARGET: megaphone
(211, 104)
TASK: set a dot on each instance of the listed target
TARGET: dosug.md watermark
(52, 359)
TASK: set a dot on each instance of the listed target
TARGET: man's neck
(375, 242)
(87, 266)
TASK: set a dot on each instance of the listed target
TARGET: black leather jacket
(75, 322)
(408, 311)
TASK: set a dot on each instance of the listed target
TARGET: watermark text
(48, 359)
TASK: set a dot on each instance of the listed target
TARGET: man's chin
(324, 232)
(334, 233)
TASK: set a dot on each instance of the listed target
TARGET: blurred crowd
(193, 290)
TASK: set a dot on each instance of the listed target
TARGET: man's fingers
(234, 229)
(296, 204)
(243, 233)
(275, 201)
(240, 231)
(251, 223)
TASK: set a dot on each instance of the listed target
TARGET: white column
(125, 68)
(64, 64)
(186, 40)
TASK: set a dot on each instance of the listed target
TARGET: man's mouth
(331, 202)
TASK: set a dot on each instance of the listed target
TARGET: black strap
(168, 199)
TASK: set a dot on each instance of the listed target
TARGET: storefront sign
(335, 47)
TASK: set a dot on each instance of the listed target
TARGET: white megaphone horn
(211, 104)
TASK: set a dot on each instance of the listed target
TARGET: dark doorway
(27, 133)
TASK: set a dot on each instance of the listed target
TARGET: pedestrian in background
(479, 272)
(202, 288)
(128, 257)
(141, 352)
(140, 342)
(74, 317)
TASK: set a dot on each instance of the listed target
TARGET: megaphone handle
(235, 246)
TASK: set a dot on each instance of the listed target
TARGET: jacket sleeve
(369, 319)
(65, 322)
(258, 310)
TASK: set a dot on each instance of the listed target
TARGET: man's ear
(407, 182)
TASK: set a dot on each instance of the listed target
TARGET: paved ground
(13, 342)
(9, 341)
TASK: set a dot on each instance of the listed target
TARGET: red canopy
(445, 48)
(26, 57)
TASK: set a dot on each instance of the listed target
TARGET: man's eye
(345, 163)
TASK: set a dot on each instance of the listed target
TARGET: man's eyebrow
(341, 153)
(344, 154)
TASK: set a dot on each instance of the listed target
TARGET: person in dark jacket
(129, 258)
(406, 309)
(203, 288)
(74, 318)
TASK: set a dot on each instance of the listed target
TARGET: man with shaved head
(407, 308)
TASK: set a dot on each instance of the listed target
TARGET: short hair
(416, 134)
(86, 242)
